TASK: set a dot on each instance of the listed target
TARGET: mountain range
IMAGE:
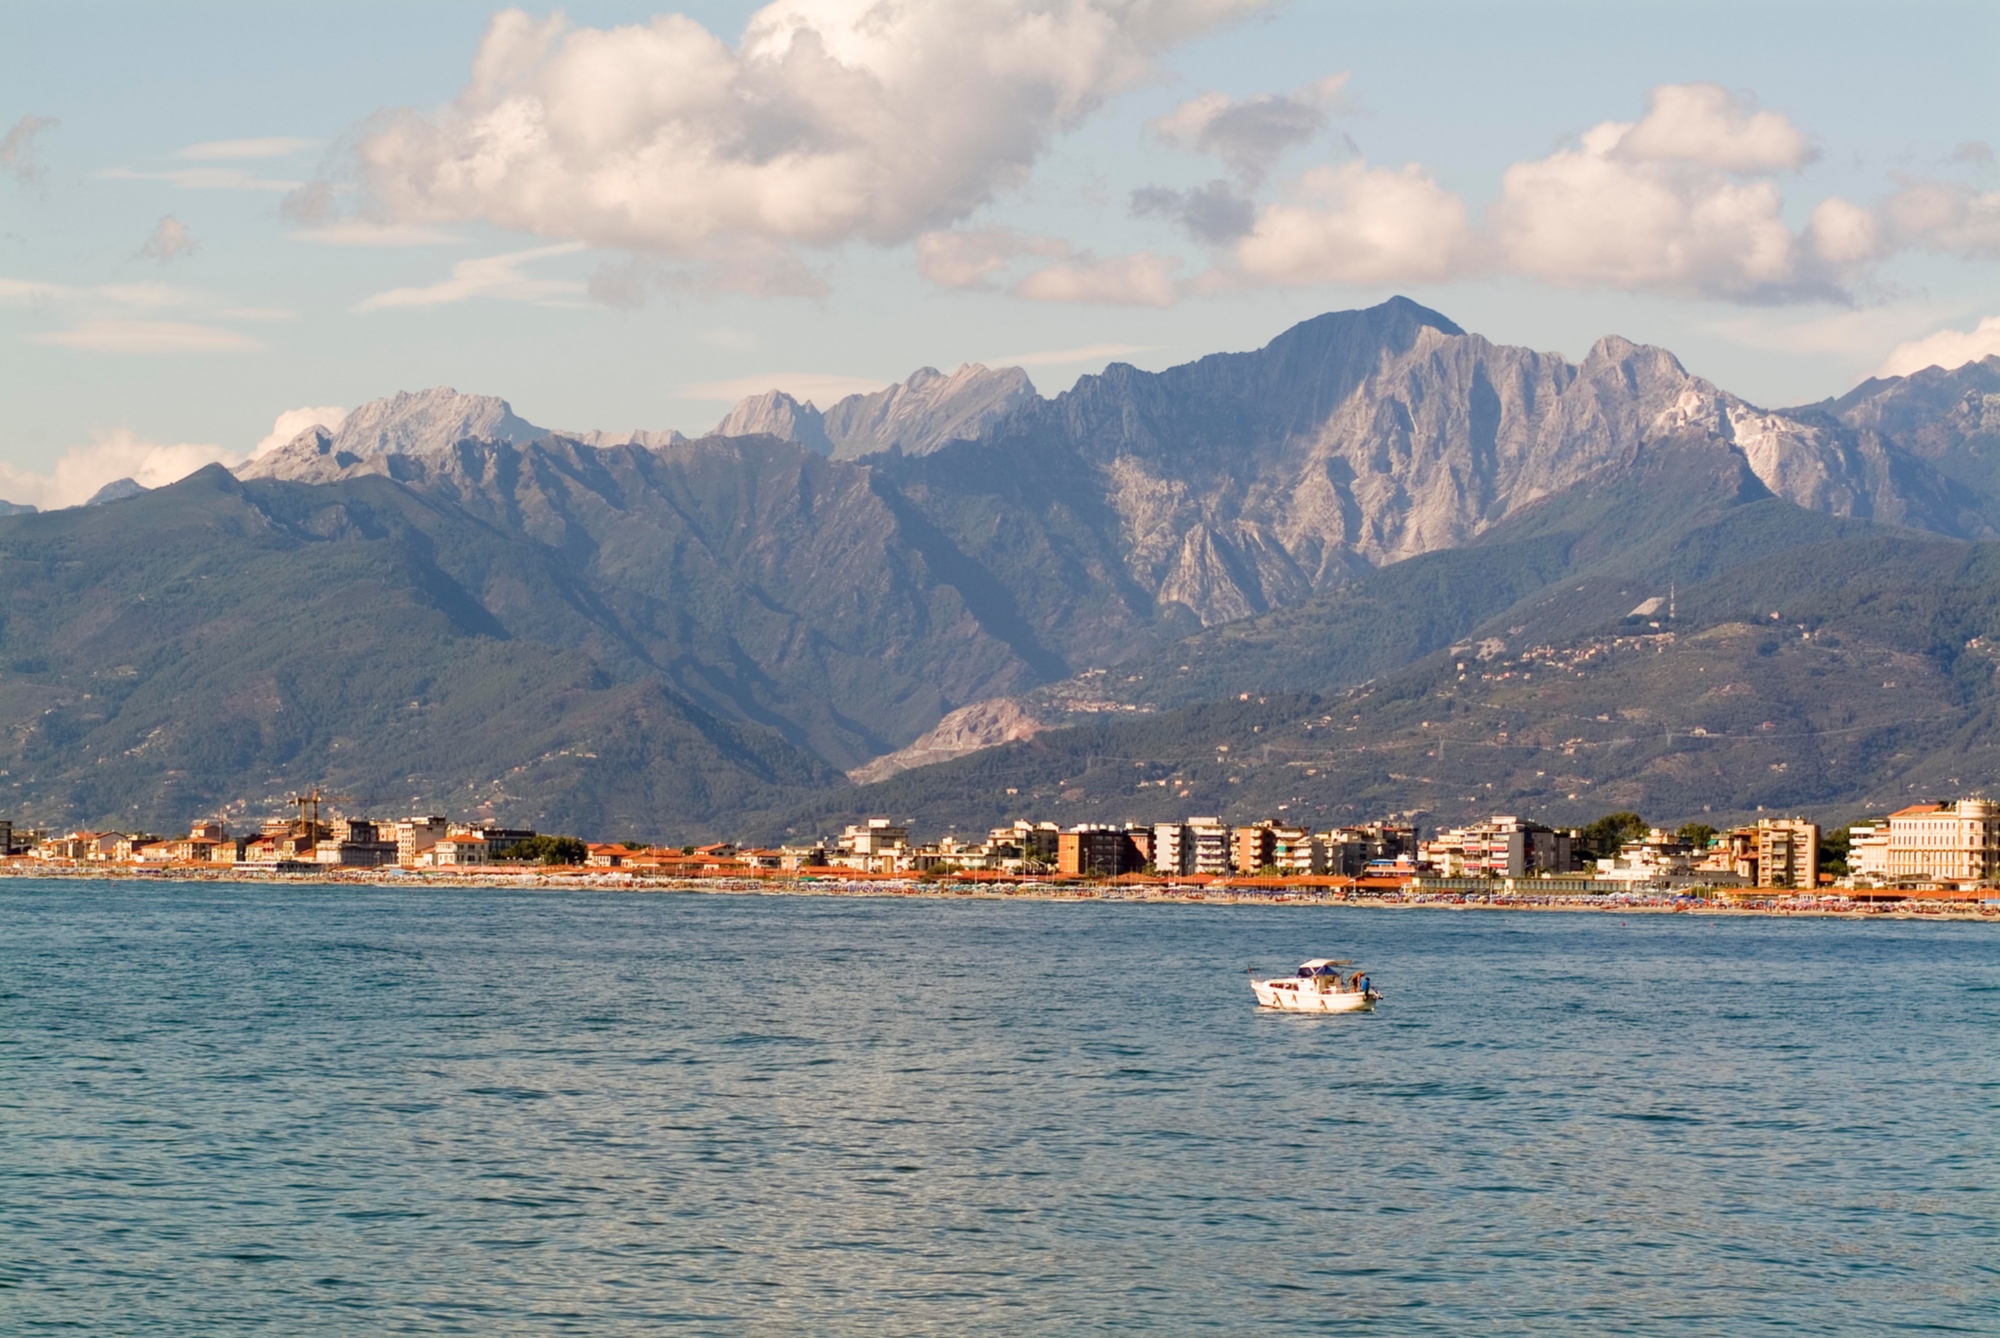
(439, 605)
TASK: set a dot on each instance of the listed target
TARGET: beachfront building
(1777, 852)
(1348, 852)
(1099, 850)
(1503, 846)
(1173, 849)
(1868, 852)
(1253, 849)
(1296, 852)
(1655, 857)
(1024, 845)
(1944, 843)
(415, 836)
(1211, 846)
(875, 846)
(794, 859)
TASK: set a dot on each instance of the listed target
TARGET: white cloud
(1070, 357)
(170, 241)
(1946, 349)
(1946, 216)
(1359, 224)
(273, 146)
(120, 453)
(829, 120)
(202, 178)
(291, 422)
(111, 335)
(1664, 206)
(361, 232)
(818, 387)
(488, 276)
(125, 317)
(1249, 134)
(1709, 125)
(975, 257)
(1141, 280)
(17, 148)
(112, 455)
(1213, 214)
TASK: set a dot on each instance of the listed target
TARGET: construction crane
(307, 802)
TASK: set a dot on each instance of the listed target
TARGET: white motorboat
(1318, 987)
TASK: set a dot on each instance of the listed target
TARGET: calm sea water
(308, 1111)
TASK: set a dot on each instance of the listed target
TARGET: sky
(223, 222)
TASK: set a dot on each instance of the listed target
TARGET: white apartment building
(415, 836)
(1296, 851)
(1211, 841)
(1944, 843)
(1501, 847)
(1868, 852)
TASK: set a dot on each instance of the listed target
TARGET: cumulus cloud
(1249, 134)
(117, 454)
(122, 454)
(981, 259)
(170, 241)
(488, 276)
(1679, 203)
(829, 120)
(1709, 125)
(975, 257)
(17, 148)
(1946, 216)
(1141, 280)
(291, 422)
(1360, 224)
(1213, 214)
(1946, 349)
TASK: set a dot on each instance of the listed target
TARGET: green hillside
(1875, 682)
(216, 645)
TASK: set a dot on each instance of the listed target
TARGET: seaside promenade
(1557, 895)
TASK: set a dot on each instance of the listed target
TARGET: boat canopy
(1320, 966)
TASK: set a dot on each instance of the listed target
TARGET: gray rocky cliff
(915, 416)
(929, 409)
(776, 414)
(1243, 481)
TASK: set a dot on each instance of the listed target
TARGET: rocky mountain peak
(916, 416)
(421, 422)
(927, 410)
(776, 414)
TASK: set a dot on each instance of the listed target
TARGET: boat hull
(1301, 996)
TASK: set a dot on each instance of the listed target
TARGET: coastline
(588, 879)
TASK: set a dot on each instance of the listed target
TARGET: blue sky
(1783, 194)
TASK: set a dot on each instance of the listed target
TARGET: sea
(340, 1110)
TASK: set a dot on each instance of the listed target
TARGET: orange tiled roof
(1917, 810)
